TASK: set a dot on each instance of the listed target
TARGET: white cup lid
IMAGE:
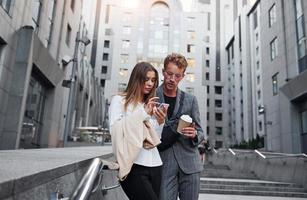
(186, 118)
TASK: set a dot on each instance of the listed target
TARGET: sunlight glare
(131, 4)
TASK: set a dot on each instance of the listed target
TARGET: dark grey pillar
(21, 73)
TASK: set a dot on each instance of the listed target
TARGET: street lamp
(71, 84)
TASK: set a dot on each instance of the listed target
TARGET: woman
(143, 180)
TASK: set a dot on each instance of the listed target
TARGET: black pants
(142, 183)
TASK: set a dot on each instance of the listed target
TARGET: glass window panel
(126, 44)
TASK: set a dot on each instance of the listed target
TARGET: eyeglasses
(170, 75)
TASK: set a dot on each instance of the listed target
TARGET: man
(181, 163)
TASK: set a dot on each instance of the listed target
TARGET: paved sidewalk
(242, 197)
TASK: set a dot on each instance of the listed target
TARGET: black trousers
(142, 183)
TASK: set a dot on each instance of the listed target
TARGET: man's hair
(177, 59)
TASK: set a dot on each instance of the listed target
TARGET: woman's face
(150, 81)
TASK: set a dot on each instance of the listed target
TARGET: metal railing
(262, 154)
(91, 181)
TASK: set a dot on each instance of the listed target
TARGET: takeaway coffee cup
(184, 121)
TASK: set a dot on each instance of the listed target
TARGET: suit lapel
(179, 92)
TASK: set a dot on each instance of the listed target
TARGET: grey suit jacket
(185, 149)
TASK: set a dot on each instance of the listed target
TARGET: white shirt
(146, 157)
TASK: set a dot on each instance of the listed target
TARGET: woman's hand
(160, 114)
(150, 105)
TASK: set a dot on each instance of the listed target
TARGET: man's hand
(190, 131)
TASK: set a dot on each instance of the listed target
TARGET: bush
(255, 143)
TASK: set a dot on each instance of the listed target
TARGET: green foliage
(255, 143)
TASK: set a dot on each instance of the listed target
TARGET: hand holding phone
(161, 112)
(163, 105)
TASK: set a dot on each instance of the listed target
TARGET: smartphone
(163, 105)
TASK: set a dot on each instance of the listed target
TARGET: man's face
(172, 76)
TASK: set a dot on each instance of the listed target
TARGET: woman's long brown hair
(133, 93)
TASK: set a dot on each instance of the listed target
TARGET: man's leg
(189, 185)
(169, 181)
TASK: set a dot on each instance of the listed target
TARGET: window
(68, 35)
(123, 72)
(260, 125)
(127, 18)
(218, 116)
(255, 16)
(104, 69)
(218, 130)
(191, 62)
(207, 63)
(205, 1)
(191, 35)
(126, 44)
(102, 82)
(107, 17)
(190, 77)
(208, 102)
(124, 58)
(106, 44)
(218, 73)
(51, 14)
(190, 90)
(6, 5)
(105, 56)
(191, 48)
(300, 34)
(207, 76)
(218, 89)
(208, 21)
(258, 79)
(108, 31)
(272, 15)
(207, 38)
(208, 116)
(257, 64)
(273, 48)
(275, 84)
(258, 94)
(207, 50)
(72, 5)
(208, 130)
(126, 30)
(257, 51)
(190, 20)
(208, 89)
(34, 114)
(218, 103)
(122, 87)
(36, 9)
(2, 45)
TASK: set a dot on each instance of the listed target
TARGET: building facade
(36, 37)
(266, 60)
(149, 31)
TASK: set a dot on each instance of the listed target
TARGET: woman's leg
(140, 183)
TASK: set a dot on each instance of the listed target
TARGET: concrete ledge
(285, 169)
(25, 170)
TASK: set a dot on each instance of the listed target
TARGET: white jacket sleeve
(116, 110)
(158, 128)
